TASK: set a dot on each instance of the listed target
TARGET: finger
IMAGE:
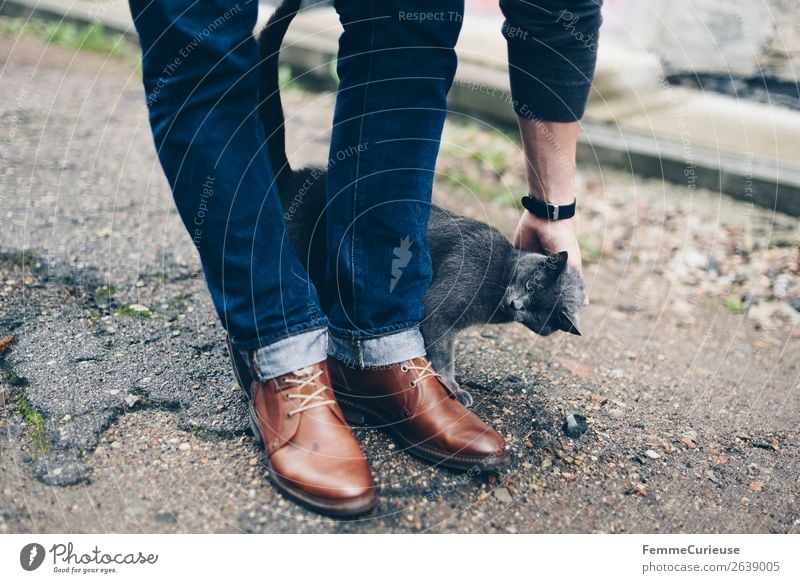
(525, 240)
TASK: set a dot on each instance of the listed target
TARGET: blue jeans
(200, 73)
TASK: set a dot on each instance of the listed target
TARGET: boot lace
(310, 401)
(424, 372)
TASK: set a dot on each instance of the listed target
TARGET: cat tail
(270, 109)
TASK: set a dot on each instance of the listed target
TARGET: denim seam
(354, 351)
(358, 155)
(386, 331)
(263, 341)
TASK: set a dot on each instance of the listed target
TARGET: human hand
(543, 236)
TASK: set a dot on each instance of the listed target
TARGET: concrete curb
(635, 121)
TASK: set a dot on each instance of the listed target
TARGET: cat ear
(551, 267)
(560, 259)
(569, 324)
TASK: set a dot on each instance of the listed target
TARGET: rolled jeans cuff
(290, 354)
(374, 351)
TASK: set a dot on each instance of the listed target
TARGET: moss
(35, 421)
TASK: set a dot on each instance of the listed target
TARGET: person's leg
(396, 65)
(200, 70)
(552, 50)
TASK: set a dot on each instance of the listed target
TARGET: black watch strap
(545, 210)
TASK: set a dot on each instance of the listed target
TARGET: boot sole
(358, 414)
(338, 509)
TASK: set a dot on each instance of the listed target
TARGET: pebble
(689, 442)
(575, 425)
(652, 454)
(184, 447)
(502, 495)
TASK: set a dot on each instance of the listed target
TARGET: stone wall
(738, 37)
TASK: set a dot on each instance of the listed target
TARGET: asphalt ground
(120, 412)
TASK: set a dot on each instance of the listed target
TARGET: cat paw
(464, 397)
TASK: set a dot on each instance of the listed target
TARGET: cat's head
(545, 294)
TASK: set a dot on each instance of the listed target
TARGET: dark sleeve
(552, 51)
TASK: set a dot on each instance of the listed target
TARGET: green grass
(35, 421)
(291, 80)
(105, 293)
(127, 311)
(465, 180)
(734, 304)
(81, 37)
(589, 251)
(26, 259)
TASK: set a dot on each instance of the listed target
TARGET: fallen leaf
(5, 343)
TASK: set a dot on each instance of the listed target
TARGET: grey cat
(478, 276)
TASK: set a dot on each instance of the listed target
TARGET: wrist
(559, 197)
(547, 210)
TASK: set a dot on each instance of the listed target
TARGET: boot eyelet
(412, 384)
(403, 368)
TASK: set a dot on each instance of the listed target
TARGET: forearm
(550, 159)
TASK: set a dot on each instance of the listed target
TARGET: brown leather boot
(312, 456)
(411, 402)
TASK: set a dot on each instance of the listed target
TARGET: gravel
(133, 423)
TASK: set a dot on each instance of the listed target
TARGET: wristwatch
(545, 210)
